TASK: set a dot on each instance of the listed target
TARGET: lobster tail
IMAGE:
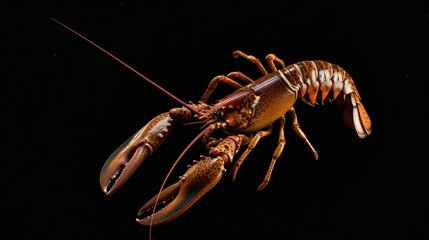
(355, 117)
(318, 80)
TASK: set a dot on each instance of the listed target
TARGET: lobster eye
(218, 114)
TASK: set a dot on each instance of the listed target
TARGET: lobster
(242, 118)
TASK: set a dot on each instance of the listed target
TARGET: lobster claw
(177, 198)
(121, 165)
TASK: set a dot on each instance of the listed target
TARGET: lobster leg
(251, 59)
(300, 133)
(197, 181)
(272, 59)
(253, 142)
(228, 80)
(277, 153)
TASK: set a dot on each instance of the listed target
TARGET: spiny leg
(300, 133)
(252, 59)
(228, 80)
(272, 60)
(253, 142)
(276, 154)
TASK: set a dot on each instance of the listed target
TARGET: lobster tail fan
(355, 116)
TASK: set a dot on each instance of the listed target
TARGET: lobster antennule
(355, 116)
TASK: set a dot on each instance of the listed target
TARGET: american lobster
(243, 118)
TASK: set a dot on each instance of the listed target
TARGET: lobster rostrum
(242, 118)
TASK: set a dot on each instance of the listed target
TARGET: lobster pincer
(197, 181)
(123, 162)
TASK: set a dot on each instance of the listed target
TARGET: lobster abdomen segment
(318, 80)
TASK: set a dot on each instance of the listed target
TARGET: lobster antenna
(130, 68)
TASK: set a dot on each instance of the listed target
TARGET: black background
(67, 107)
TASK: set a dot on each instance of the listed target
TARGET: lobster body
(245, 116)
(248, 114)
(259, 104)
